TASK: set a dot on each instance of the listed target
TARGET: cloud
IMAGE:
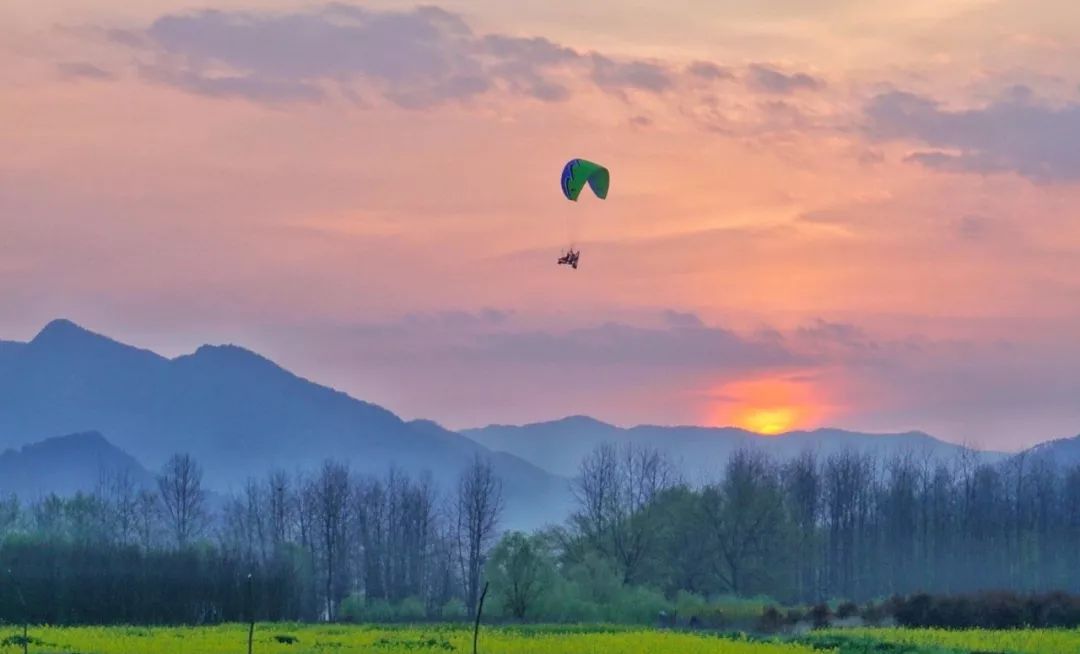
(250, 87)
(974, 228)
(683, 346)
(523, 62)
(616, 76)
(709, 71)
(458, 319)
(683, 319)
(491, 337)
(829, 342)
(834, 332)
(81, 70)
(421, 56)
(1013, 134)
(770, 80)
(416, 58)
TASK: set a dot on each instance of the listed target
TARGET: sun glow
(767, 406)
(768, 421)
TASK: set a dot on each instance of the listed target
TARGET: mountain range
(65, 465)
(239, 414)
(559, 446)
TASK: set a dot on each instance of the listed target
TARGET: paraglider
(579, 171)
(570, 258)
(575, 175)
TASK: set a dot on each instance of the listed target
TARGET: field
(309, 639)
(1020, 641)
(339, 639)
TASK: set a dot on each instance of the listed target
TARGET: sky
(852, 214)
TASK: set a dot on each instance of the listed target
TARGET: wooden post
(479, 610)
(251, 613)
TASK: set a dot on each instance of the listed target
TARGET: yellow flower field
(1025, 641)
(340, 639)
(446, 639)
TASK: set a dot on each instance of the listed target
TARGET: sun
(768, 421)
(768, 406)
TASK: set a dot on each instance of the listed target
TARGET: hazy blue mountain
(64, 465)
(1064, 452)
(9, 348)
(238, 413)
(559, 446)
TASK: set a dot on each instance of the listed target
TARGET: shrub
(873, 614)
(688, 604)
(846, 610)
(820, 615)
(357, 609)
(771, 620)
(638, 605)
(454, 609)
(987, 610)
(411, 609)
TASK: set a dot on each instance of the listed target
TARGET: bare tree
(118, 493)
(746, 520)
(596, 490)
(9, 514)
(899, 509)
(331, 490)
(370, 534)
(478, 509)
(255, 509)
(183, 498)
(304, 507)
(147, 519)
(848, 490)
(279, 509)
(615, 488)
(802, 485)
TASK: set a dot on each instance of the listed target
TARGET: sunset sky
(861, 214)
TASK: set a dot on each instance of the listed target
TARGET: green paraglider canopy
(579, 171)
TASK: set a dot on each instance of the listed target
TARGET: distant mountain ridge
(65, 465)
(558, 446)
(238, 413)
(1063, 452)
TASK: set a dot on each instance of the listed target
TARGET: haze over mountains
(558, 446)
(65, 465)
(236, 412)
(241, 415)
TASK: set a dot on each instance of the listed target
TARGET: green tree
(520, 571)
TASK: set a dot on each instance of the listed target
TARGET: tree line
(847, 526)
(333, 545)
(314, 545)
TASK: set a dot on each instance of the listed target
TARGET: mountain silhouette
(1062, 453)
(65, 465)
(558, 446)
(238, 413)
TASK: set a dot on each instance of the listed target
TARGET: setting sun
(768, 421)
(767, 406)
